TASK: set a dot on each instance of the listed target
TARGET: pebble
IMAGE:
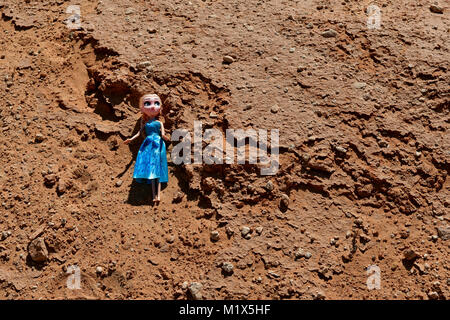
(229, 231)
(99, 270)
(301, 68)
(359, 85)
(119, 183)
(330, 33)
(275, 108)
(38, 138)
(433, 295)
(284, 201)
(245, 231)
(436, 9)
(215, 235)
(410, 255)
(444, 232)
(227, 267)
(5, 234)
(38, 250)
(292, 50)
(259, 230)
(228, 59)
(195, 289)
(269, 186)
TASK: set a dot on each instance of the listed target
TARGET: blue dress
(151, 161)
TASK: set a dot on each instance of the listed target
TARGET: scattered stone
(99, 270)
(359, 85)
(275, 108)
(195, 289)
(229, 231)
(178, 197)
(259, 230)
(292, 50)
(330, 33)
(38, 250)
(215, 235)
(269, 186)
(284, 202)
(151, 30)
(308, 255)
(301, 68)
(436, 9)
(245, 231)
(119, 183)
(228, 59)
(433, 295)
(5, 234)
(410, 255)
(144, 64)
(227, 267)
(341, 149)
(444, 232)
(38, 138)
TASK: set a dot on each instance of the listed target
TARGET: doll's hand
(165, 138)
(127, 141)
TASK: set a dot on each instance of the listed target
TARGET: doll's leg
(153, 190)
(159, 191)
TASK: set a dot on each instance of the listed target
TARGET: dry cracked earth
(363, 119)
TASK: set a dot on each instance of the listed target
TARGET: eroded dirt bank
(363, 117)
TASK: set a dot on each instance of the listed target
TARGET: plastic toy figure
(151, 161)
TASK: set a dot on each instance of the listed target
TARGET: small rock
(119, 183)
(178, 197)
(38, 138)
(227, 267)
(341, 149)
(229, 231)
(99, 270)
(410, 255)
(275, 108)
(436, 9)
(5, 234)
(228, 59)
(433, 295)
(195, 289)
(444, 232)
(284, 201)
(215, 235)
(144, 64)
(301, 68)
(359, 85)
(330, 33)
(245, 231)
(308, 255)
(269, 186)
(259, 230)
(292, 50)
(38, 250)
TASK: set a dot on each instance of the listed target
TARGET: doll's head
(150, 105)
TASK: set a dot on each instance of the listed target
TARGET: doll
(151, 161)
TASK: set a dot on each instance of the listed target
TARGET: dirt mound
(363, 119)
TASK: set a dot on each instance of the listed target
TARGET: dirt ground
(363, 119)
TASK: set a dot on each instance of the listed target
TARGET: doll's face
(151, 105)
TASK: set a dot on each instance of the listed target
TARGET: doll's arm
(163, 133)
(136, 135)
